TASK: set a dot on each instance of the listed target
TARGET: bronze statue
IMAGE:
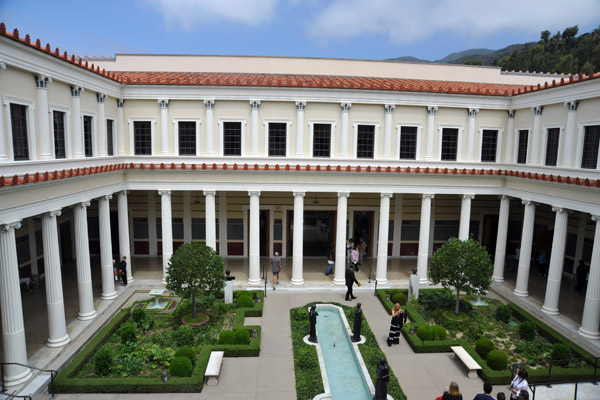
(383, 377)
(312, 317)
(357, 323)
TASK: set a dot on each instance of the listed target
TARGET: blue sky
(360, 29)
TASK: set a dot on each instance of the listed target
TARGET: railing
(593, 361)
(265, 278)
(3, 387)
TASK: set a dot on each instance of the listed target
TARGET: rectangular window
(591, 142)
(321, 140)
(58, 118)
(18, 120)
(449, 144)
(552, 147)
(142, 133)
(110, 148)
(187, 138)
(408, 143)
(522, 149)
(232, 138)
(87, 136)
(365, 141)
(489, 143)
(198, 229)
(277, 139)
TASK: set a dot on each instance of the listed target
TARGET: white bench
(213, 369)
(467, 360)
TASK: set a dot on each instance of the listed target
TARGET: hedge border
(65, 382)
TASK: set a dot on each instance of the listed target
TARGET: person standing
(453, 392)
(276, 264)
(349, 247)
(581, 274)
(542, 264)
(396, 325)
(487, 393)
(519, 384)
(330, 261)
(354, 258)
(123, 270)
(350, 279)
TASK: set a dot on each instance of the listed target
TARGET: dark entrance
(319, 233)
(489, 234)
(264, 233)
(363, 229)
(66, 242)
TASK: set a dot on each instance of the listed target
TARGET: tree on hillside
(464, 265)
(193, 268)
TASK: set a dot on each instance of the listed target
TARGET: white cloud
(191, 13)
(408, 21)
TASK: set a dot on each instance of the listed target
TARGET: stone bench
(467, 360)
(213, 369)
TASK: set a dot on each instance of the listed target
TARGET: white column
(32, 246)
(397, 227)
(187, 217)
(82, 255)
(106, 254)
(255, 104)
(526, 244)
(583, 219)
(57, 326)
(210, 108)
(557, 259)
(465, 216)
(167, 230)
(300, 105)
(508, 150)
(471, 135)
(223, 223)
(297, 269)
(124, 249)
(344, 132)
(499, 259)
(382, 247)
(254, 273)
(164, 126)
(536, 136)
(76, 132)
(101, 126)
(3, 156)
(43, 118)
(569, 138)
(591, 308)
(387, 134)
(152, 235)
(11, 308)
(120, 127)
(340, 239)
(431, 227)
(423, 254)
(430, 130)
(211, 222)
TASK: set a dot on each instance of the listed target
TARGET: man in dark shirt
(350, 279)
(123, 270)
(487, 393)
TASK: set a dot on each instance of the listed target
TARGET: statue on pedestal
(383, 377)
(357, 323)
(228, 287)
(312, 317)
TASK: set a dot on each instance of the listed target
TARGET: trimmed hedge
(497, 360)
(483, 346)
(180, 367)
(527, 330)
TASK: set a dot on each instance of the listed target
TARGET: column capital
(343, 194)
(595, 218)
(83, 204)
(346, 106)
(124, 192)
(537, 110)
(255, 104)
(209, 192)
(164, 192)
(511, 114)
(2, 65)
(10, 226)
(120, 103)
(210, 104)
(254, 193)
(430, 195)
(503, 197)
(473, 112)
(389, 107)
(571, 105)
(299, 194)
(528, 203)
(163, 103)
(468, 196)
(559, 209)
(76, 91)
(390, 195)
(101, 97)
(300, 104)
(431, 110)
(42, 81)
(52, 214)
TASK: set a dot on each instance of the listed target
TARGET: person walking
(123, 270)
(276, 264)
(354, 258)
(487, 393)
(395, 326)
(350, 280)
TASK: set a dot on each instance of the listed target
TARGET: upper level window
(449, 144)
(18, 120)
(142, 133)
(522, 146)
(408, 143)
(365, 141)
(87, 136)
(552, 146)
(232, 138)
(277, 139)
(489, 145)
(591, 144)
(187, 138)
(322, 140)
(110, 147)
(58, 122)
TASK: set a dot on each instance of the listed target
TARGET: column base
(87, 316)
(381, 281)
(520, 293)
(129, 280)
(550, 311)
(339, 281)
(58, 342)
(254, 282)
(297, 281)
(17, 379)
(588, 334)
(423, 281)
(498, 279)
(108, 296)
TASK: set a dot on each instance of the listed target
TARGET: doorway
(263, 233)
(318, 232)
(363, 229)
(489, 233)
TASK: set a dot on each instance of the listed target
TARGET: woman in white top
(519, 383)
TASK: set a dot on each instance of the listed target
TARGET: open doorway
(318, 232)
(363, 229)
(489, 233)
(263, 233)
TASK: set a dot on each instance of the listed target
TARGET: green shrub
(245, 301)
(465, 306)
(437, 300)
(439, 332)
(399, 298)
(483, 346)
(424, 333)
(393, 292)
(138, 315)
(497, 360)
(527, 330)
(503, 313)
(561, 351)
(183, 336)
(226, 337)
(181, 367)
(187, 352)
(103, 360)
(241, 336)
(128, 332)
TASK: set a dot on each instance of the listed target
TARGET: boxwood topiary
(187, 352)
(424, 333)
(103, 360)
(128, 332)
(483, 346)
(561, 351)
(527, 330)
(497, 360)
(399, 298)
(503, 313)
(183, 336)
(392, 292)
(245, 301)
(241, 336)
(138, 315)
(180, 367)
(439, 332)
(226, 337)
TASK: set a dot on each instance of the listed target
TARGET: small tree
(463, 264)
(195, 267)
